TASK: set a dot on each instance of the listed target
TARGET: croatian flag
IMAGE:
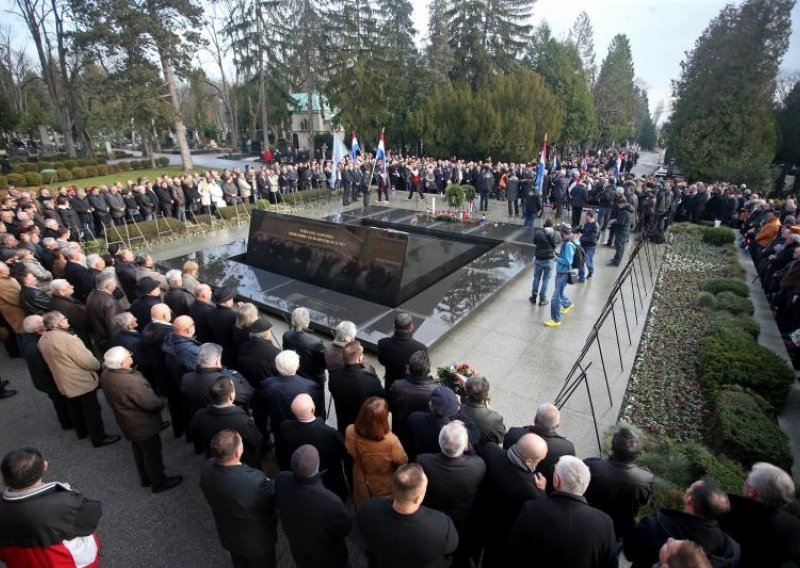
(355, 148)
(540, 168)
(380, 153)
(339, 152)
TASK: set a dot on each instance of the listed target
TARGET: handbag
(572, 277)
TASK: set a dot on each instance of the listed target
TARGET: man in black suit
(256, 359)
(400, 531)
(305, 428)
(618, 487)
(545, 425)
(199, 312)
(453, 480)
(223, 414)
(222, 323)
(512, 478)
(410, 394)
(563, 530)
(351, 385)
(149, 296)
(308, 346)
(395, 351)
(314, 519)
(101, 307)
(243, 502)
(77, 274)
(768, 535)
(73, 309)
(178, 298)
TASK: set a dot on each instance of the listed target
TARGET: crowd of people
(426, 477)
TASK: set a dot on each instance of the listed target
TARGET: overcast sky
(660, 32)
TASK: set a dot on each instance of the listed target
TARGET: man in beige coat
(74, 370)
(138, 413)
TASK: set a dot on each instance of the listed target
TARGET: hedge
(33, 178)
(71, 164)
(17, 180)
(162, 162)
(746, 432)
(733, 285)
(730, 359)
(102, 169)
(744, 326)
(91, 171)
(707, 300)
(718, 235)
(734, 304)
(64, 174)
(124, 166)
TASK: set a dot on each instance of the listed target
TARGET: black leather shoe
(3, 384)
(7, 393)
(146, 483)
(168, 484)
(107, 441)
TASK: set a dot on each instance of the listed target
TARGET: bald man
(511, 480)
(182, 344)
(153, 364)
(200, 311)
(306, 428)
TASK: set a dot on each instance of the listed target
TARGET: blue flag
(339, 152)
(541, 166)
(355, 148)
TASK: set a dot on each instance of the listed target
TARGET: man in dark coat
(33, 299)
(41, 377)
(411, 394)
(178, 298)
(703, 504)
(125, 334)
(78, 275)
(278, 392)
(511, 479)
(222, 324)
(453, 480)
(351, 385)
(394, 351)
(768, 535)
(400, 531)
(200, 312)
(309, 347)
(196, 385)
(618, 487)
(128, 274)
(563, 530)
(545, 424)
(224, 414)
(475, 406)
(578, 196)
(424, 426)
(243, 502)
(101, 307)
(138, 412)
(315, 520)
(153, 364)
(305, 428)
(257, 354)
(149, 296)
(74, 310)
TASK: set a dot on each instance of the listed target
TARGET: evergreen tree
(560, 66)
(614, 93)
(789, 122)
(723, 126)
(439, 59)
(581, 35)
(401, 59)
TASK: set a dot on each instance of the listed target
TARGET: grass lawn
(150, 173)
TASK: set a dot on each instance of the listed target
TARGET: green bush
(744, 326)
(469, 191)
(45, 166)
(729, 359)
(78, 172)
(58, 165)
(3, 181)
(707, 300)
(728, 474)
(718, 235)
(102, 169)
(91, 171)
(162, 162)
(150, 232)
(745, 432)
(33, 178)
(82, 163)
(717, 285)
(17, 180)
(64, 174)
(29, 167)
(71, 164)
(124, 166)
(112, 168)
(734, 304)
(455, 195)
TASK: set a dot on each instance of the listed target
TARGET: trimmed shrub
(735, 304)
(124, 166)
(46, 166)
(743, 326)
(78, 172)
(82, 163)
(745, 432)
(33, 178)
(91, 171)
(162, 162)
(71, 164)
(57, 165)
(707, 300)
(728, 474)
(149, 231)
(64, 174)
(3, 181)
(102, 169)
(718, 235)
(17, 180)
(717, 285)
(730, 359)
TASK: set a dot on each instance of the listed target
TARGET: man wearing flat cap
(256, 359)
(394, 351)
(424, 426)
(222, 322)
(315, 520)
(149, 296)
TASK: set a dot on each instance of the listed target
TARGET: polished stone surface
(448, 269)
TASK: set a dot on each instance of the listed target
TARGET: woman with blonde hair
(375, 450)
(189, 276)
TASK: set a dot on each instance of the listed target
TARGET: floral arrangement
(455, 376)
